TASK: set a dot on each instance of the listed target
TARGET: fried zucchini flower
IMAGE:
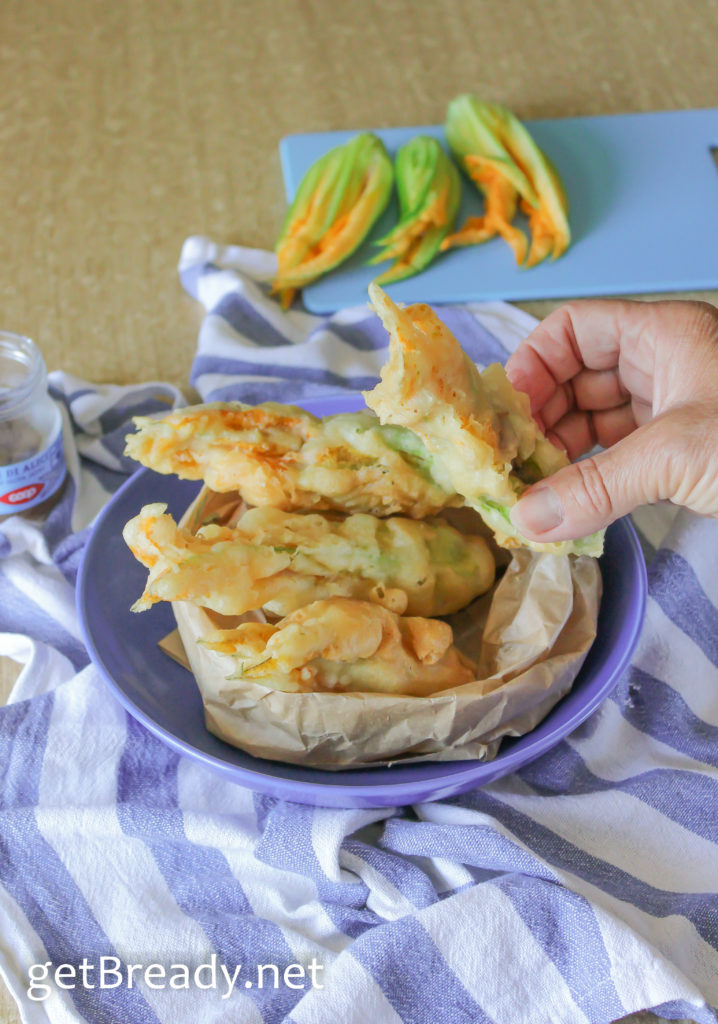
(282, 456)
(499, 155)
(338, 201)
(346, 645)
(279, 561)
(429, 192)
(476, 425)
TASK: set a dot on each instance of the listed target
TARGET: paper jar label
(24, 484)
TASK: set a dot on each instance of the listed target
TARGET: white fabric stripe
(641, 974)
(256, 264)
(288, 899)
(654, 521)
(384, 898)
(126, 893)
(329, 829)
(352, 315)
(346, 360)
(445, 874)
(207, 382)
(46, 587)
(615, 750)
(666, 656)
(477, 935)
(90, 406)
(219, 340)
(27, 949)
(614, 831)
(688, 539)
(507, 323)
(91, 498)
(292, 326)
(44, 667)
(200, 790)
(349, 996)
(689, 962)
(674, 937)
(93, 449)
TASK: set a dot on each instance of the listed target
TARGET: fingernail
(539, 511)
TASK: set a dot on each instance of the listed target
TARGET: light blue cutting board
(643, 194)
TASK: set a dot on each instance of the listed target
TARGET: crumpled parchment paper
(528, 636)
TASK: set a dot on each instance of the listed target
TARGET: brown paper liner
(528, 636)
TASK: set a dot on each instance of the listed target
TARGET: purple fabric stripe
(109, 479)
(243, 367)
(286, 843)
(253, 392)
(405, 962)
(555, 925)
(58, 523)
(198, 877)
(675, 587)
(22, 615)
(697, 907)
(114, 442)
(34, 875)
(365, 335)
(680, 1009)
(244, 318)
(263, 806)
(479, 343)
(681, 796)
(655, 708)
(67, 556)
(408, 878)
(481, 876)
(144, 402)
(68, 399)
(477, 845)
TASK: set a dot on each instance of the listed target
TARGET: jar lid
(22, 370)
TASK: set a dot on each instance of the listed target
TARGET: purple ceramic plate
(164, 697)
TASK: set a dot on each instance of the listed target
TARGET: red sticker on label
(22, 494)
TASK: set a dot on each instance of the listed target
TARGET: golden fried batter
(346, 645)
(279, 561)
(476, 425)
(282, 456)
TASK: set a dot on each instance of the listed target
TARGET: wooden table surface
(125, 127)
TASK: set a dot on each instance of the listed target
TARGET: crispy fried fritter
(476, 425)
(346, 645)
(279, 561)
(282, 456)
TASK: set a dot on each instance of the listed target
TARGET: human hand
(640, 379)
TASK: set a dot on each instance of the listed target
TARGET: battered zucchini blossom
(346, 645)
(477, 427)
(280, 561)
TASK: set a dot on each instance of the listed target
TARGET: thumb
(589, 495)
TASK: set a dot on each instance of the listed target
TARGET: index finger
(576, 336)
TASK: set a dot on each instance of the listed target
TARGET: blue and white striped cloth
(581, 889)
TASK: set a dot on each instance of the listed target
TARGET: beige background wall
(126, 126)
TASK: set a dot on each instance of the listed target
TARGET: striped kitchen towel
(137, 887)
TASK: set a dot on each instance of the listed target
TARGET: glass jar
(32, 460)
